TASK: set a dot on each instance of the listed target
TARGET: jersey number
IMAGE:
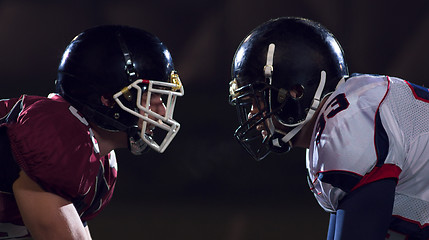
(337, 104)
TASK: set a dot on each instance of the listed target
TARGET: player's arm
(46, 215)
(364, 213)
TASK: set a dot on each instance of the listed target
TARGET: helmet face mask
(150, 120)
(259, 107)
(110, 74)
(254, 117)
(286, 65)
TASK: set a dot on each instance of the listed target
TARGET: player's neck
(108, 141)
(303, 138)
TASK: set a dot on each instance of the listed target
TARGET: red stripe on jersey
(419, 92)
(378, 173)
(412, 221)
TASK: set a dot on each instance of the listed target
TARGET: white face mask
(150, 120)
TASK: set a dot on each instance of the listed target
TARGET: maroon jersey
(56, 148)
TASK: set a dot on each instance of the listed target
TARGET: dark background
(205, 186)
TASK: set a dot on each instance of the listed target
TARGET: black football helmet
(280, 73)
(120, 65)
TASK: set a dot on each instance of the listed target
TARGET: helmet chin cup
(137, 146)
(162, 126)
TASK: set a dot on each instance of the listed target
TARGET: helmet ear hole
(108, 102)
(297, 91)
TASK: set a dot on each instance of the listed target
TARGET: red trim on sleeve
(415, 94)
(412, 221)
(378, 173)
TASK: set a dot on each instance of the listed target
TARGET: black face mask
(255, 111)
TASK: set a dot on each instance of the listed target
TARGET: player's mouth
(261, 129)
(149, 130)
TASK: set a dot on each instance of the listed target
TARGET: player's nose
(157, 105)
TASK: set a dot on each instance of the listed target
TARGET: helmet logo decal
(175, 79)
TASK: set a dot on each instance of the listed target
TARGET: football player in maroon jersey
(116, 88)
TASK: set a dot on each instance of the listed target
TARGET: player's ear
(107, 101)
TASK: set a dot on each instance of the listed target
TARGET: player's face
(156, 104)
(258, 106)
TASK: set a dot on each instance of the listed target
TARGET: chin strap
(282, 142)
(314, 105)
(135, 144)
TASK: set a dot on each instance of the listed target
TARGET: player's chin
(264, 134)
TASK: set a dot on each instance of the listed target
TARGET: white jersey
(370, 128)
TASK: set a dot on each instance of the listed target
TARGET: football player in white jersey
(367, 135)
